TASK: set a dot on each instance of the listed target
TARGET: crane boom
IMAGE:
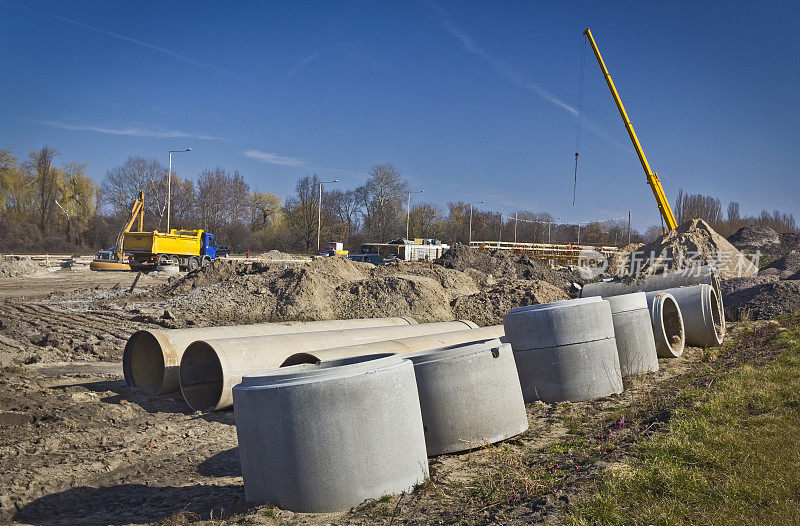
(652, 177)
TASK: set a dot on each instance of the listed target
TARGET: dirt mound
(786, 266)
(692, 243)
(764, 301)
(275, 254)
(488, 307)
(504, 265)
(754, 237)
(17, 267)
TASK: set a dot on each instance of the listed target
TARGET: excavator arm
(137, 212)
(652, 178)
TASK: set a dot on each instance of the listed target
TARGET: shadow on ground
(225, 464)
(132, 504)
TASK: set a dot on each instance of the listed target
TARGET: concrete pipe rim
(717, 326)
(143, 362)
(671, 324)
(201, 392)
(458, 350)
(554, 305)
(627, 302)
(320, 371)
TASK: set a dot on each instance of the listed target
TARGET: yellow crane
(652, 177)
(114, 258)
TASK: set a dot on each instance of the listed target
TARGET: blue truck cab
(209, 247)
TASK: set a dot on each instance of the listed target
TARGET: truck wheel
(205, 262)
(194, 264)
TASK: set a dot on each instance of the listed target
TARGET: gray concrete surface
(152, 356)
(565, 350)
(210, 368)
(401, 346)
(667, 322)
(701, 311)
(325, 437)
(633, 332)
(697, 275)
(469, 394)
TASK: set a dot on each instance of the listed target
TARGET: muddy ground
(77, 446)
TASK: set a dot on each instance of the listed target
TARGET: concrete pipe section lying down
(325, 437)
(469, 395)
(667, 322)
(701, 311)
(401, 346)
(633, 331)
(565, 350)
(210, 368)
(151, 358)
(698, 275)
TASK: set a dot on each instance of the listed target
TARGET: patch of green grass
(729, 454)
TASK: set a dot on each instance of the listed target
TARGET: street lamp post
(515, 225)
(169, 182)
(408, 214)
(470, 220)
(319, 210)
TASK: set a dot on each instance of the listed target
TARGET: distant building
(407, 249)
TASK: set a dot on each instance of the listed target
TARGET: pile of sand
(275, 254)
(692, 243)
(337, 288)
(502, 265)
(17, 267)
(489, 306)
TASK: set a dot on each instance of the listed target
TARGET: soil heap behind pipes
(692, 243)
(754, 237)
(229, 292)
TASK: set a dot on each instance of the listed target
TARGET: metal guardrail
(561, 252)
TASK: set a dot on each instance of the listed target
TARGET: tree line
(45, 206)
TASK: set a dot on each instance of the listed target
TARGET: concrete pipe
(633, 331)
(325, 437)
(667, 322)
(469, 395)
(565, 350)
(698, 275)
(210, 368)
(701, 311)
(151, 358)
(400, 346)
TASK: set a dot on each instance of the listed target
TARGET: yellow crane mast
(652, 178)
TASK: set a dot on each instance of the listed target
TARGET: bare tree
(46, 183)
(301, 211)
(223, 199)
(385, 191)
(124, 182)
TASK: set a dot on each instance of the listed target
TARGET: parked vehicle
(188, 249)
(375, 259)
(223, 251)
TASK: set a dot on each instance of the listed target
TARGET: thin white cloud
(133, 131)
(300, 65)
(273, 158)
(140, 43)
(505, 69)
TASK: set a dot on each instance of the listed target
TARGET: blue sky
(470, 100)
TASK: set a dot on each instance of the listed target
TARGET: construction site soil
(77, 446)
(17, 267)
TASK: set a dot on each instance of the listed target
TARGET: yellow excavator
(652, 178)
(114, 258)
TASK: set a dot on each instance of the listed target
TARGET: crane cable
(580, 119)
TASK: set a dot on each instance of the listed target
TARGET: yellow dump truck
(188, 249)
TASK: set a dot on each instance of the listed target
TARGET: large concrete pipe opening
(143, 362)
(667, 322)
(210, 368)
(201, 376)
(151, 357)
